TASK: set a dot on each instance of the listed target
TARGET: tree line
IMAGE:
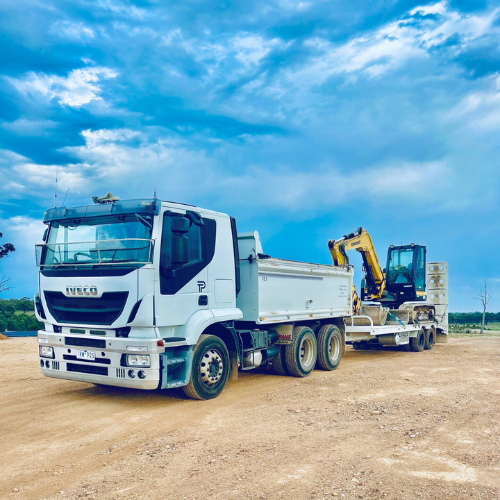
(17, 315)
(473, 318)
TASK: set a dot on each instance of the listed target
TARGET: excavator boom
(360, 241)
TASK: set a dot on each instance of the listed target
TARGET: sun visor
(146, 206)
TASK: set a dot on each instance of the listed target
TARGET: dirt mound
(3, 337)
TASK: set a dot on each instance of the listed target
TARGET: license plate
(88, 355)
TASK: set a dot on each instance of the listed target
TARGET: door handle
(203, 300)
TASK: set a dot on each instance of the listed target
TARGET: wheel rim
(306, 352)
(211, 367)
(333, 348)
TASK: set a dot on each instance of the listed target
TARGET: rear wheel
(300, 355)
(430, 336)
(210, 369)
(417, 343)
(278, 362)
(329, 345)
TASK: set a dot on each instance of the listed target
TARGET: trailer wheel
(300, 355)
(417, 343)
(278, 362)
(429, 338)
(210, 369)
(329, 343)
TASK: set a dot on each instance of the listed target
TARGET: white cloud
(44, 176)
(78, 88)
(24, 127)
(133, 164)
(123, 9)
(74, 31)
(480, 109)
(171, 164)
(392, 45)
(250, 49)
(8, 158)
(425, 10)
(95, 138)
(24, 233)
(324, 188)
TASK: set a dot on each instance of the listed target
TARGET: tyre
(210, 369)
(417, 343)
(430, 335)
(278, 362)
(300, 355)
(329, 345)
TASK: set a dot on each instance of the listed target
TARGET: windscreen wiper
(145, 221)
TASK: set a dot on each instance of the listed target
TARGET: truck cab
(127, 287)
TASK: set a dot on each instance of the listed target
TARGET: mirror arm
(168, 272)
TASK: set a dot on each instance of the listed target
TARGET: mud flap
(175, 366)
(233, 360)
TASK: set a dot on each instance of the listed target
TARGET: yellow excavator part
(360, 241)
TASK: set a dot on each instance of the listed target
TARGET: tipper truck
(152, 294)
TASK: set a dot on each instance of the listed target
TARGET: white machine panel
(280, 291)
(437, 290)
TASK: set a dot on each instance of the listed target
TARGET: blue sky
(302, 119)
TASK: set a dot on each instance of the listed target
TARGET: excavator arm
(360, 241)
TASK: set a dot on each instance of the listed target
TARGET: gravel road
(386, 424)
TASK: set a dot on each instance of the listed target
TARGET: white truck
(152, 294)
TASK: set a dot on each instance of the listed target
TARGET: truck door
(187, 247)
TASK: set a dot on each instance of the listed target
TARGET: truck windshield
(400, 266)
(98, 241)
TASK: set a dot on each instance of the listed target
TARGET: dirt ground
(385, 424)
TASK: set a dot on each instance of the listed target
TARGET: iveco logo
(81, 290)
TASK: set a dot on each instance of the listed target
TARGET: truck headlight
(138, 360)
(46, 351)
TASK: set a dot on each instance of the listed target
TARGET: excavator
(402, 281)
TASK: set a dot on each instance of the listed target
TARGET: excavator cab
(405, 272)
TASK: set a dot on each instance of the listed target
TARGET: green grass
(474, 329)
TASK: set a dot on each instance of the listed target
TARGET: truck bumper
(109, 366)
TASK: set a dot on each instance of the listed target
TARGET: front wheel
(300, 355)
(210, 369)
(329, 347)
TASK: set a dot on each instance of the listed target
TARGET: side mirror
(179, 225)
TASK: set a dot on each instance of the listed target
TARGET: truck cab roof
(149, 206)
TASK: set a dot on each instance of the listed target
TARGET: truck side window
(186, 249)
(194, 247)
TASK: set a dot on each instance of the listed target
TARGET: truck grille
(85, 342)
(100, 361)
(95, 370)
(89, 311)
